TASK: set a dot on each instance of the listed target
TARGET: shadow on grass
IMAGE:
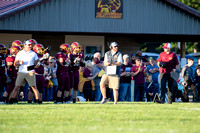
(83, 103)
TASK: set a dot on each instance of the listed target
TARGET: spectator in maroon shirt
(138, 73)
(87, 88)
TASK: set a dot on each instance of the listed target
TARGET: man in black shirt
(187, 74)
(125, 80)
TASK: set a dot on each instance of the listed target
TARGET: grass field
(107, 118)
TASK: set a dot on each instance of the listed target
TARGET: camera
(163, 64)
(48, 49)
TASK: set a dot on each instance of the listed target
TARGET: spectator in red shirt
(168, 63)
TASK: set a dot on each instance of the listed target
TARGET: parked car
(194, 56)
(149, 54)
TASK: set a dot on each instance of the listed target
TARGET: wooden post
(132, 90)
(182, 50)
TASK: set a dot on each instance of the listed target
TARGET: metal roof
(78, 16)
(12, 7)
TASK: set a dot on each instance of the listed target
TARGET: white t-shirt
(29, 59)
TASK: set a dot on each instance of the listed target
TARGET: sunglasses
(50, 62)
(29, 45)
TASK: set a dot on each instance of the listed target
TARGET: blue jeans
(46, 94)
(25, 90)
(139, 92)
(97, 93)
(80, 93)
(54, 93)
(125, 92)
(157, 87)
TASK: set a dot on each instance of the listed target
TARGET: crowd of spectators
(139, 80)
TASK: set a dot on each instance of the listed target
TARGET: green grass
(107, 118)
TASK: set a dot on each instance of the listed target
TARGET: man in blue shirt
(153, 70)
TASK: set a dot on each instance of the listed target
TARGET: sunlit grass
(94, 117)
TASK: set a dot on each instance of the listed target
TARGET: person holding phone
(24, 59)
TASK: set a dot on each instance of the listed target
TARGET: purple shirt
(61, 70)
(139, 78)
(87, 73)
(13, 70)
(75, 66)
(2, 64)
(39, 70)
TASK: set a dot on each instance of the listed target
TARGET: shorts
(113, 81)
(22, 78)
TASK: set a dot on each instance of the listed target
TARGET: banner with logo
(108, 9)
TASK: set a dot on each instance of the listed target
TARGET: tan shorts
(113, 81)
(22, 78)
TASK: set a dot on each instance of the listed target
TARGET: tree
(192, 3)
(191, 46)
(196, 5)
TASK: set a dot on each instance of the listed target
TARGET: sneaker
(58, 102)
(2, 103)
(29, 101)
(160, 101)
(104, 100)
(67, 102)
(115, 103)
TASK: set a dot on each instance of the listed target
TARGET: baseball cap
(167, 45)
(150, 58)
(132, 55)
(113, 44)
(198, 70)
(27, 42)
(125, 56)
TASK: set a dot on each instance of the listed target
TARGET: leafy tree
(192, 3)
(191, 46)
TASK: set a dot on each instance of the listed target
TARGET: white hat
(167, 45)
(27, 42)
(198, 70)
(125, 56)
(113, 44)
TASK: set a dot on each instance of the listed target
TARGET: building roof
(11, 7)
(143, 19)
(183, 7)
